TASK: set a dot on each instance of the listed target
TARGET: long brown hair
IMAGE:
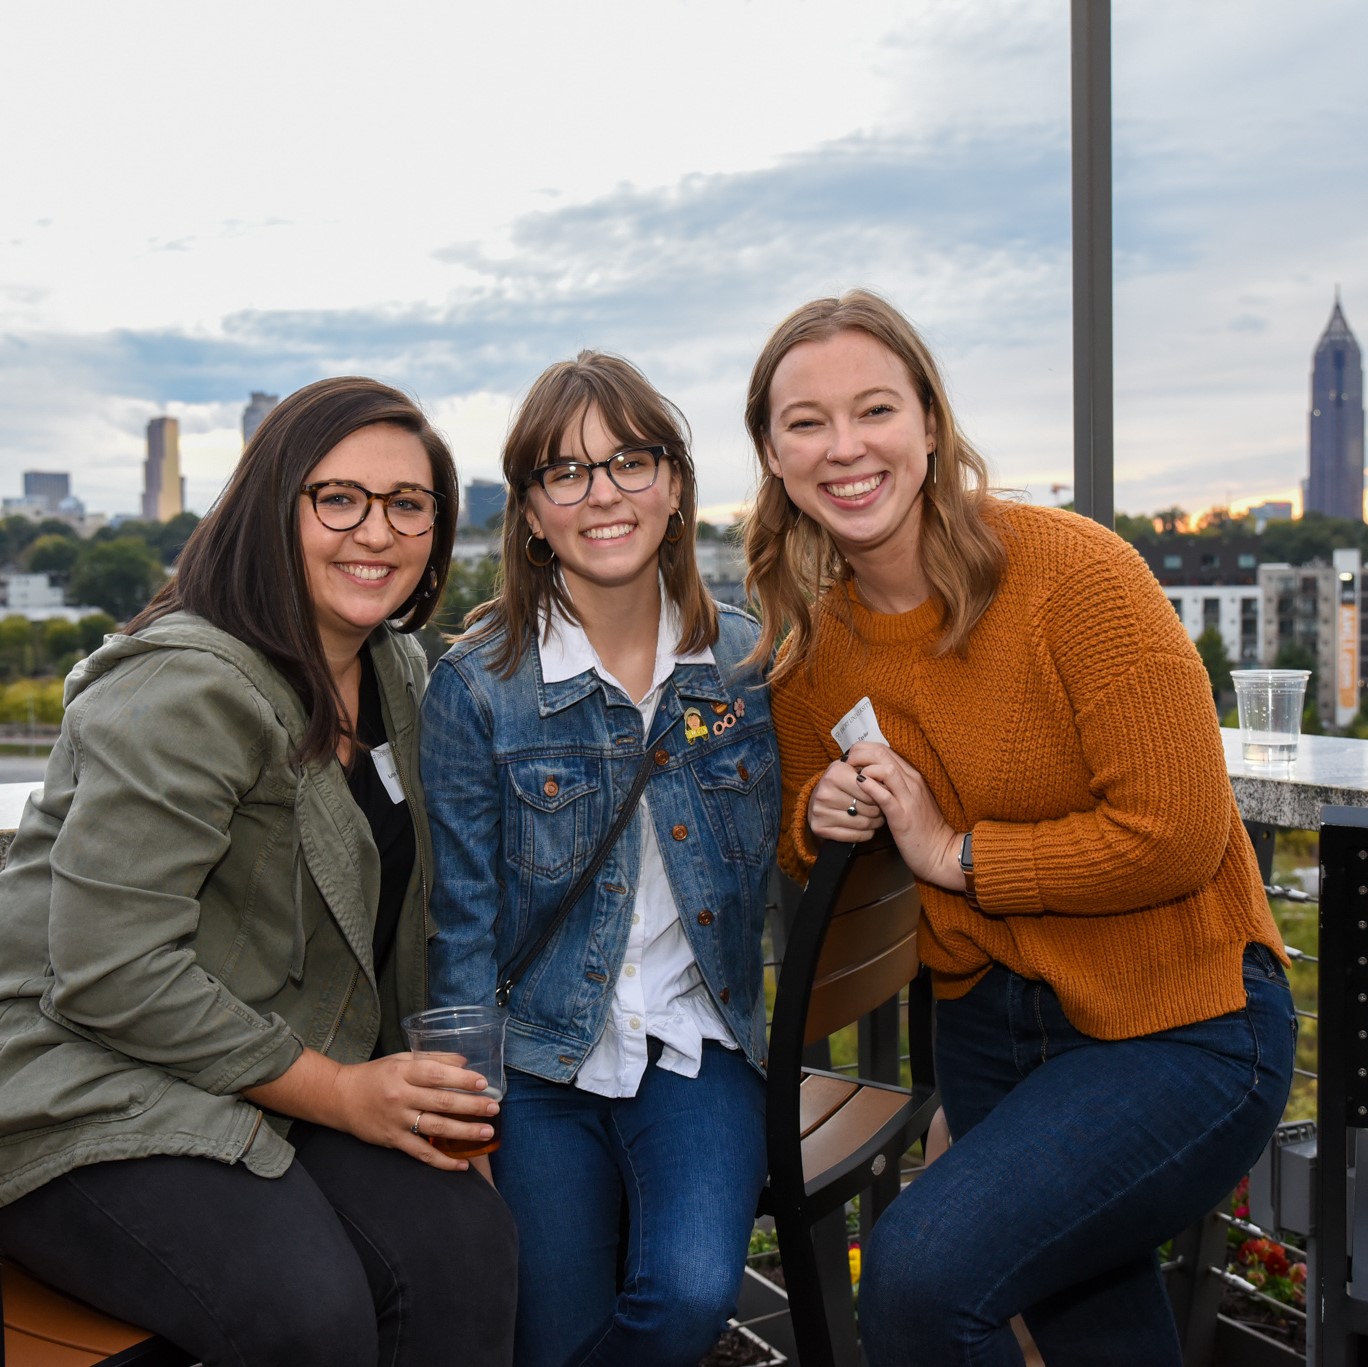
(631, 409)
(242, 568)
(792, 562)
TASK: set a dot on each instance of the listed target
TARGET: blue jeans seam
(1039, 1252)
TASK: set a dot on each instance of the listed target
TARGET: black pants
(357, 1255)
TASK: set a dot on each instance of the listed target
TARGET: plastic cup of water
(1270, 706)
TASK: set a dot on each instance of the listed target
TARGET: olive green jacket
(185, 909)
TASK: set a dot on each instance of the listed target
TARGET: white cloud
(209, 201)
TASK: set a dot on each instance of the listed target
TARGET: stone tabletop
(1328, 770)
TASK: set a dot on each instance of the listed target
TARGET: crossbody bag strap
(505, 987)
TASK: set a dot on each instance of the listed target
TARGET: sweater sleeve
(1149, 735)
(805, 751)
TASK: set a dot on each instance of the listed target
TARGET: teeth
(608, 533)
(367, 571)
(856, 487)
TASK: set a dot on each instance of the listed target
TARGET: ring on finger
(413, 1129)
(854, 808)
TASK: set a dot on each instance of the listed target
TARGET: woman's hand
(840, 808)
(381, 1101)
(927, 842)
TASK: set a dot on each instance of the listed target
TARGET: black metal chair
(850, 951)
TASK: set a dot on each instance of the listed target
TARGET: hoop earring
(679, 535)
(431, 588)
(527, 551)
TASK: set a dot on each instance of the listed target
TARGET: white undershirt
(660, 991)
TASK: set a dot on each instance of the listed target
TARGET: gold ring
(413, 1129)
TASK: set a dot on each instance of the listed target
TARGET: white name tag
(389, 773)
(858, 724)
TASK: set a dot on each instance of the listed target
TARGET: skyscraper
(163, 487)
(257, 409)
(1334, 484)
(50, 486)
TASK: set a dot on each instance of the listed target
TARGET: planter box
(764, 1305)
(1244, 1345)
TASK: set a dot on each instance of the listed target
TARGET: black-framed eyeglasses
(342, 504)
(566, 482)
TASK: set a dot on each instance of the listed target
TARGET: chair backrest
(851, 947)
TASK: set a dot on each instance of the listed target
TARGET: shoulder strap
(505, 987)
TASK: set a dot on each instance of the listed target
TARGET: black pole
(1092, 260)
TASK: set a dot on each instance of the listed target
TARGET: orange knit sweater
(1078, 740)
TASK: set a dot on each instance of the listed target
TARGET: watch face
(966, 858)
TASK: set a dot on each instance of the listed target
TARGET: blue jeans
(688, 1157)
(1074, 1159)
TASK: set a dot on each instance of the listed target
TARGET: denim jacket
(523, 779)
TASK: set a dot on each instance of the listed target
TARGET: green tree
(94, 627)
(467, 586)
(51, 554)
(118, 576)
(1169, 518)
(167, 538)
(15, 534)
(19, 647)
(61, 644)
(1211, 647)
(1135, 529)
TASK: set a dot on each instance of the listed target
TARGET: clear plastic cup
(1270, 706)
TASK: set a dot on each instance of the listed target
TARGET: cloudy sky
(198, 201)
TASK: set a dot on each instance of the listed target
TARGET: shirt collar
(566, 650)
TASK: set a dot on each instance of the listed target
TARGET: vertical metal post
(1337, 1313)
(1092, 259)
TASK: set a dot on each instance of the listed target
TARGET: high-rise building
(48, 487)
(1334, 484)
(484, 501)
(163, 487)
(257, 409)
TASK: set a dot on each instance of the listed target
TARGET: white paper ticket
(858, 724)
(389, 772)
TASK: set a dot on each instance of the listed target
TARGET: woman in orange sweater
(1114, 1031)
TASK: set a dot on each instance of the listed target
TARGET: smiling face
(850, 439)
(610, 539)
(359, 578)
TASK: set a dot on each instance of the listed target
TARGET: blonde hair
(793, 562)
(631, 409)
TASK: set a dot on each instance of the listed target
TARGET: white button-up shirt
(660, 991)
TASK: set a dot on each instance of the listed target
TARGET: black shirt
(390, 822)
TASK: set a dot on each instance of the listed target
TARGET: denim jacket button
(680, 832)
(550, 787)
(705, 917)
(662, 757)
(742, 772)
(724, 996)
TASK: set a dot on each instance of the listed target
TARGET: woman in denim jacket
(636, 1034)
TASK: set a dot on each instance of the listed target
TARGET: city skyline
(668, 185)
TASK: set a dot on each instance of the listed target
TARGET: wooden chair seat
(848, 1135)
(46, 1328)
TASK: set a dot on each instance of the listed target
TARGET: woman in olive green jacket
(214, 917)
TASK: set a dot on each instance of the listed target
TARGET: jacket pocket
(738, 787)
(550, 812)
